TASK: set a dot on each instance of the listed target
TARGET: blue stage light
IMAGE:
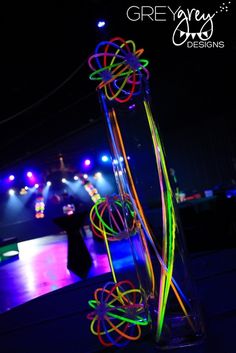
(105, 158)
(98, 175)
(101, 23)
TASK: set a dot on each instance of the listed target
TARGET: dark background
(49, 106)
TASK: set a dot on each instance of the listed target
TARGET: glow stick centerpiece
(168, 303)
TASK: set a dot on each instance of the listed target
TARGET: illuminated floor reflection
(42, 268)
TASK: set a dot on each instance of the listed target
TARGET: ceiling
(46, 94)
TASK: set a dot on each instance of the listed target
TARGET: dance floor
(42, 268)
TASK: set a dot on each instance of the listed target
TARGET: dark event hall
(118, 177)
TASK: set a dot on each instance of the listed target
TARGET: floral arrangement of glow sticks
(115, 60)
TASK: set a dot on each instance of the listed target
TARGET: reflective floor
(42, 268)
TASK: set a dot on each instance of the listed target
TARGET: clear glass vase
(156, 241)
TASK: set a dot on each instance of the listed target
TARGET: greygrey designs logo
(182, 32)
(194, 28)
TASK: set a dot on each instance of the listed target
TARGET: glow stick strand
(140, 320)
(165, 290)
(113, 75)
(124, 299)
(164, 246)
(112, 216)
(92, 215)
(159, 144)
(123, 334)
(109, 43)
(98, 332)
(122, 217)
(115, 95)
(115, 298)
(168, 273)
(142, 218)
(120, 299)
(114, 146)
(101, 55)
(171, 231)
(92, 325)
(118, 50)
(177, 290)
(105, 83)
(146, 253)
(120, 89)
(102, 221)
(136, 53)
(119, 338)
(149, 264)
(133, 189)
(97, 75)
(172, 240)
(111, 265)
(102, 332)
(118, 212)
(109, 256)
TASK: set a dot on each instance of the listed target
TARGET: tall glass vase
(140, 169)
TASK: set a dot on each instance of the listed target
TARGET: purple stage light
(29, 174)
(132, 106)
(11, 177)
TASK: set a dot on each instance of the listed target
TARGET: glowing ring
(119, 313)
(126, 92)
(93, 76)
(101, 212)
(118, 59)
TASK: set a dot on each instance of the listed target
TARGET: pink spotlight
(29, 174)
(11, 177)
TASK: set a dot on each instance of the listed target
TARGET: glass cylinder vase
(141, 172)
(140, 169)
